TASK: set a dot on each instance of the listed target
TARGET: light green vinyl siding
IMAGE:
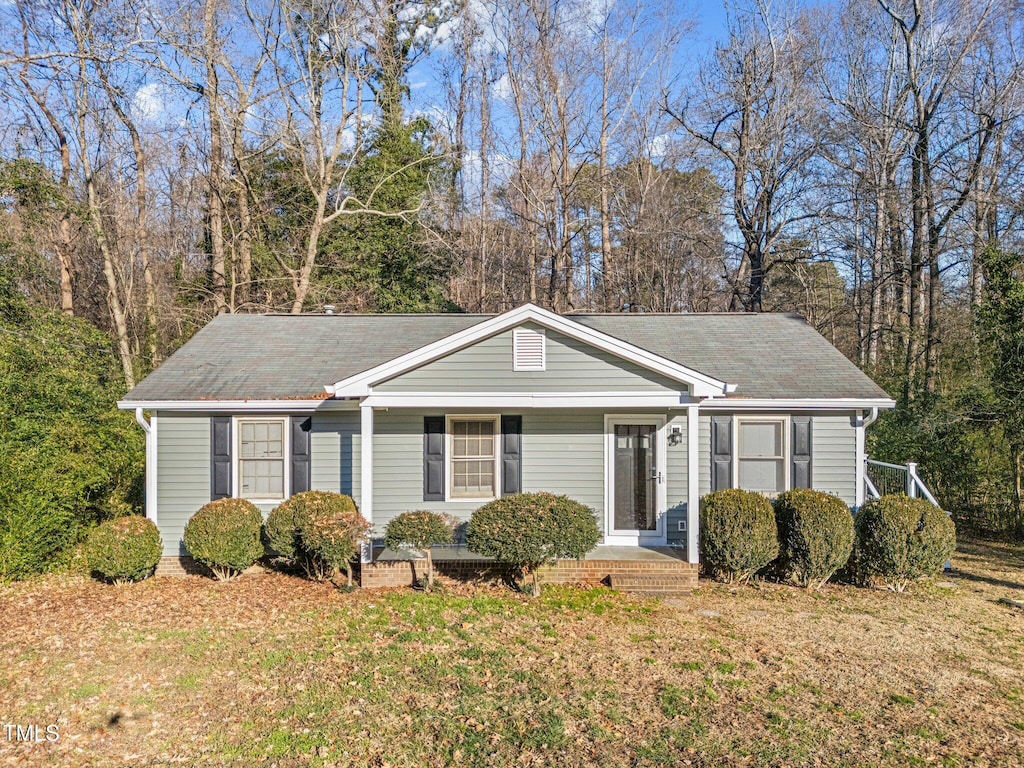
(572, 366)
(183, 473)
(834, 455)
(183, 466)
(704, 450)
(677, 480)
(563, 452)
(334, 453)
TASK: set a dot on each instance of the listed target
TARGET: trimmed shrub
(901, 540)
(420, 530)
(738, 534)
(124, 550)
(224, 535)
(815, 535)
(319, 532)
(281, 534)
(528, 530)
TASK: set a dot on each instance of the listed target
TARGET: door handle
(655, 475)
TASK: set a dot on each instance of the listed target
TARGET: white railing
(881, 478)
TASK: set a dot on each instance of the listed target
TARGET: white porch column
(366, 472)
(692, 483)
(859, 427)
(151, 469)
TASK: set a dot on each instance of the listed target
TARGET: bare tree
(753, 107)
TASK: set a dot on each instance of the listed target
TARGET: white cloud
(502, 87)
(150, 102)
(659, 147)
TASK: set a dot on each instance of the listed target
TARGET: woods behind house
(857, 162)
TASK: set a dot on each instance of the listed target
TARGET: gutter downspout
(861, 423)
(871, 419)
(150, 429)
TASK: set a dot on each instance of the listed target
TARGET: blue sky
(709, 17)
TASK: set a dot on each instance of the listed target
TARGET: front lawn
(273, 670)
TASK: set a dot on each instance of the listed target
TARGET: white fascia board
(240, 406)
(359, 385)
(489, 400)
(796, 404)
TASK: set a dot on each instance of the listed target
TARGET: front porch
(658, 570)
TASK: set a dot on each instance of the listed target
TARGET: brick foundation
(665, 578)
(179, 565)
(661, 577)
(404, 573)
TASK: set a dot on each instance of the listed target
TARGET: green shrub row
(321, 533)
(806, 536)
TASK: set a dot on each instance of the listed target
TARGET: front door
(636, 478)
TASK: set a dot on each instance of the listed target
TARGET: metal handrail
(904, 475)
(886, 464)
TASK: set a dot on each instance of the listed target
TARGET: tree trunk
(64, 228)
(215, 183)
(142, 235)
(301, 278)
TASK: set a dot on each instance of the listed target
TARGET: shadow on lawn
(978, 552)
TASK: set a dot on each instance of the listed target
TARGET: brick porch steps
(662, 585)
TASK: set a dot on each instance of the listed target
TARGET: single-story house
(635, 415)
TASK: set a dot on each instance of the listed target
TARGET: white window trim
(787, 457)
(449, 456)
(613, 536)
(236, 457)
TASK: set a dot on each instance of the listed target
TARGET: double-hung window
(261, 455)
(761, 455)
(474, 457)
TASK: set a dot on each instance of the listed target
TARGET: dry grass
(272, 670)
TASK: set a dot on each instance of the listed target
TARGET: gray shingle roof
(267, 357)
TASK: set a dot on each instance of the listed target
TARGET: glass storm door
(636, 478)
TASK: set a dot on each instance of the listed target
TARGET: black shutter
(433, 458)
(511, 454)
(301, 427)
(801, 451)
(721, 452)
(220, 457)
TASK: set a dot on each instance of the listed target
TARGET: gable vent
(528, 350)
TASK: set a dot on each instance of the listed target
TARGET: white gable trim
(527, 400)
(359, 385)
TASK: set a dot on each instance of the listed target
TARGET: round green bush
(900, 540)
(815, 535)
(125, 549)
(281, 534)
(738, 534)
(528, 530)
(224, 535)
(420, 530)
(319, 531)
